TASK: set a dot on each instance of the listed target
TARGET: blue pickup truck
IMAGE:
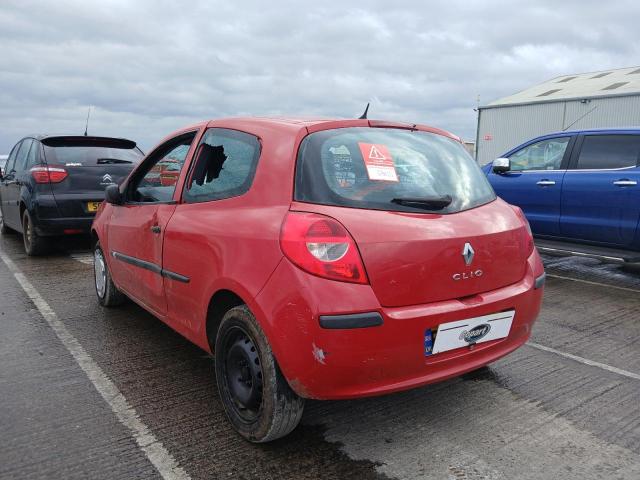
(579, 190)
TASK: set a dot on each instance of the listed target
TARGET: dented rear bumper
(380, 357)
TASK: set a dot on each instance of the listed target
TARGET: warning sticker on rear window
(378, 161)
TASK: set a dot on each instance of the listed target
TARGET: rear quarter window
(371, 168)
(609, 152)
(224, 166)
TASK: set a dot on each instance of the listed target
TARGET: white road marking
(580, 254)
(626, 289)
(126, 414)
(586, 361)
(85, 258)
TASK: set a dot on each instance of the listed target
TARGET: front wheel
(106, 291)
(256, 397)
(4, 230)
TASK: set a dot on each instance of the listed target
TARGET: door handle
(155, 229)
(545, 183)
(625, 182)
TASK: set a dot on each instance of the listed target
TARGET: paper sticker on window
(378, 161)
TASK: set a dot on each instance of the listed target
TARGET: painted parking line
(586, 361)
(588, 282)
(85, 258)
(154, 450)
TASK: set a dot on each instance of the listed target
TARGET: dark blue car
(579, 190)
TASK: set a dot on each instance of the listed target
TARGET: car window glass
(544, 155)
(609, 151)
(12, 158)
(384, 168)
(33, 158)
(23, 154)
(158, 183)
(224, 167)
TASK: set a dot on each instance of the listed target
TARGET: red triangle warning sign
(378, 161)
(375, 154)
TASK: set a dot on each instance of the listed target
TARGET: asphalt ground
(87, 392)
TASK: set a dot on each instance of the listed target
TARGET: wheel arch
(220, 303)
(94, 238)
(23, 207)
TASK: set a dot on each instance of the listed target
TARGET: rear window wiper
(426, 203)
(104, 161)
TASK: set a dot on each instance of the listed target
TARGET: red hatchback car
(324, 259)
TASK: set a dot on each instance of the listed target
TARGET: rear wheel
(256, 397)
(106, 291)
(34, 244)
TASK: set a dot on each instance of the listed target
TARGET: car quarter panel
(233, 243)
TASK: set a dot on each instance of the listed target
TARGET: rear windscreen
(389, 169)
(84, 155)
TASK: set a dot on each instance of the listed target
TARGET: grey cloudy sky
(149, 67)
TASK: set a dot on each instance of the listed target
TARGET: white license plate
(472, 330)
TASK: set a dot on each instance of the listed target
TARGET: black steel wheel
(256, 397)
(243, 373)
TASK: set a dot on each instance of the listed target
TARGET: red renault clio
(324, 259)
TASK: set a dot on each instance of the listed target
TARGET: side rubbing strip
(152, 267)
(356, 320)
(175, 276)
(137, 262)
(540, 281)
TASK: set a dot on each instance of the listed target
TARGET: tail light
(48, 174)
(321, 246)
(528, 240)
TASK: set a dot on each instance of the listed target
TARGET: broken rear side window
(225, 164)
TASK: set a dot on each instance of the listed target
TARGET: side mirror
(501, 165)
(112, 195)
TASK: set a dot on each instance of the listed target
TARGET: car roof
(296, 126)
(592, 130)
(313, 124)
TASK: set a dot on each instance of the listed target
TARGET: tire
(34, 244)
(106, 291)
(4, 230)
(256, 397)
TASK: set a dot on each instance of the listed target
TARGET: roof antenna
(364, 115)
(86, 125)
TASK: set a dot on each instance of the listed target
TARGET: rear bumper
(337, 363)
(63, 214)
(63, 226)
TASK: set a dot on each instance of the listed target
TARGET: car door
(14, 181)
(601, 192)
(534, 182)
(136, 228)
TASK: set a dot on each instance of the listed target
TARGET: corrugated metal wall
(505, 127)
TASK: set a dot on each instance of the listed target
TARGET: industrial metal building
(610, 98)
